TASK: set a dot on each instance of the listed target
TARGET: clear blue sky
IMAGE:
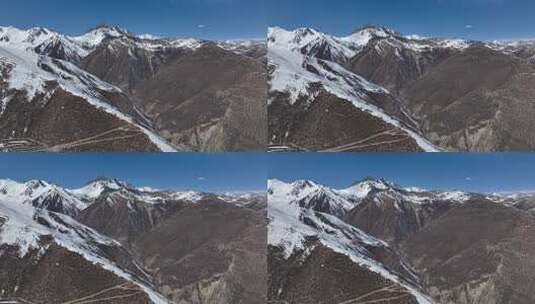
(464, 171)
(200, 171)
(471, 19)
(208, 19)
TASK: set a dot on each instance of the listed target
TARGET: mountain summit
(108, 89)
(377, 241)
(111, 241)
(377, 89)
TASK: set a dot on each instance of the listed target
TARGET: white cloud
(201, 26)
(468, 26)
(201, 178)
(468, 178)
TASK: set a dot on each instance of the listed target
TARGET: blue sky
(208, 19)
(464, 171)
(471, 19)
(216, 172)
(201, 171)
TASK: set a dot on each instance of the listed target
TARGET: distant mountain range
(111, 242)
(377, 242)
(109, 90)
(377, 89)
(372, 90)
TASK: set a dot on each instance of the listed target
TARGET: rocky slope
(110, 241)
(219, 256)
(378, 241)
(102, 91)
(377, 89)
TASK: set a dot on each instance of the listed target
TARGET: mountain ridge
(88, 239)
(308, 231)
(417, 101)
(45, 74)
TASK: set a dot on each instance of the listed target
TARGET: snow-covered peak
(95, 188)
(305, 189)
(29, 37)
(290, 222)
(10, 188)
(43, 41)
(189, 43)
(113, 190)
(242, 46)
(340, 49)
(40, 75)
(242, 42)
(40, 194)
(297, 229)
(296, 189)
(304, 63)
(292, 38)
(309, 195)
(243, 197)
(309, 42)
(337, 202)
(189, 195)
(377, 183)
(96, 36)
(458, 196)
(362, 37)
(362, 188)
(73, 48)
(29, 229)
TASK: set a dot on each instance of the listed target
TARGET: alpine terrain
(377, 242)
(377, 89)
(111, 90)
(110, 242)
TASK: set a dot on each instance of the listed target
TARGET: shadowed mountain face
(478, 100)
(111, 242)
(376, 241)
(325, 276)
(485, 253)
(65, 122)
(323, 126)
(451, 93)
(60, 276)
(109, 90)
(211, 98)
(213, 252)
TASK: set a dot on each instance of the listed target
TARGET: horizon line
(406, 187)
(137, 186)
(136, 34)
(404, 34)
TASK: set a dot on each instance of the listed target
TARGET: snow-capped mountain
(341, 49)
(309, 195)
(46, 229)
(36, 216)
(305, 63)
(303, 212)
(97, 76)
(340, 93)
(95, 188)
(103, 186)
(39, 78)
(338, 202)
(74, 48)
(42, 195)
(375, 228)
